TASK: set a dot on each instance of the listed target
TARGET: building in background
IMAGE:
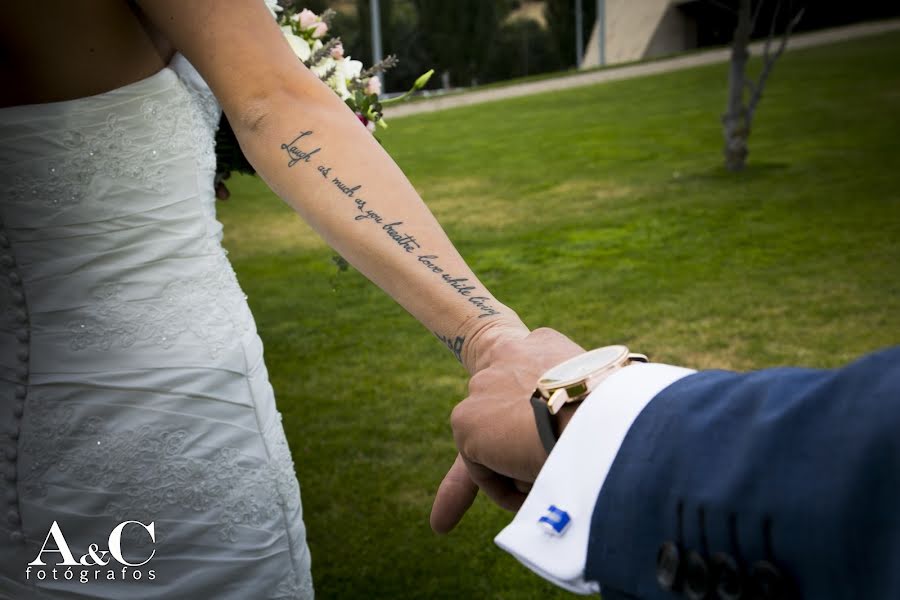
(638, 30)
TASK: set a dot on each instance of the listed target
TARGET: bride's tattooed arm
(353, 200)
(314, 153)
(339, 178)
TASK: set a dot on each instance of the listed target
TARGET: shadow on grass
(753, 170)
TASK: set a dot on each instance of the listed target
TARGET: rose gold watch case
(572, 380)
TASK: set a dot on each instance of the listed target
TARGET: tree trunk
(735, 121)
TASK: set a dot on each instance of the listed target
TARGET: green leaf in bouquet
(360, 98)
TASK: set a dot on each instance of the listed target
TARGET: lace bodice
(107, 194)
(132, 385)
(129, 142)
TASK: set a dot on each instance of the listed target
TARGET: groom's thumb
(454, 497)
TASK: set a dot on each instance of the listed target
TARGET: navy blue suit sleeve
(797, 469)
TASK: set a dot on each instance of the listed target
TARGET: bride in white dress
(132, 381)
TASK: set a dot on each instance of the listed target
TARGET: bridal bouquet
(359, 88)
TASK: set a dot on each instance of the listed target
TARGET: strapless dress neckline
(20, 111)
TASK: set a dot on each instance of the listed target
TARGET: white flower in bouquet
(347, 71)
(359, 88)
(273, 7)
(325, 67)
(300, 46)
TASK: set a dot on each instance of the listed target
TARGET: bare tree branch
(796, 20)
(718, 4)
(787, 33)
(767, 48)
(769, 60)
(755, 17)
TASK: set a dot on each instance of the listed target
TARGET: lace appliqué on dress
(294, 588)
(153, 473)
(110, 152)
(179, 122)
(183, 122)
(210, 307)
(156, 474)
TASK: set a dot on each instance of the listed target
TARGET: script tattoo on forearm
(295, 153)
(395, 230)
(455, 344)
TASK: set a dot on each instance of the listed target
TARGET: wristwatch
(572, 381)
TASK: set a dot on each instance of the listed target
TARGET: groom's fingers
(505, 492)
(454, 497)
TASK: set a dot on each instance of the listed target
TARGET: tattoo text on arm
(455, 344)
(393, 229)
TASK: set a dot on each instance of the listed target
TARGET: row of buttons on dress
(719, 576)
(20, 315)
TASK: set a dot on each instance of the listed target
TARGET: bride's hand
(494, 428)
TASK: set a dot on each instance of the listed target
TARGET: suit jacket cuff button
(668, 565)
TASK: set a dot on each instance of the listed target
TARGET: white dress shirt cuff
(574, 473)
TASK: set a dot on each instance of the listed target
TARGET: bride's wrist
(486, 337)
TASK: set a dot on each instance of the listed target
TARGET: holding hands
(494, 429)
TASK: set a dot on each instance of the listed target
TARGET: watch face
(583, 366)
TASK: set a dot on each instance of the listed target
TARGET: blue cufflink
(555, 521)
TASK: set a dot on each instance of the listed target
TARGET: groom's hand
(494, 429)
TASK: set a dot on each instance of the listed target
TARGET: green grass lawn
(604, 212)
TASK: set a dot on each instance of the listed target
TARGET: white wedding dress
(132, 382)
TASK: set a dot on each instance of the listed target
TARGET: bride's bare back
(59, 50)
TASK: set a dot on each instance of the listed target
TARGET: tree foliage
(400, 36)
(473, 41)
(461, 35)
